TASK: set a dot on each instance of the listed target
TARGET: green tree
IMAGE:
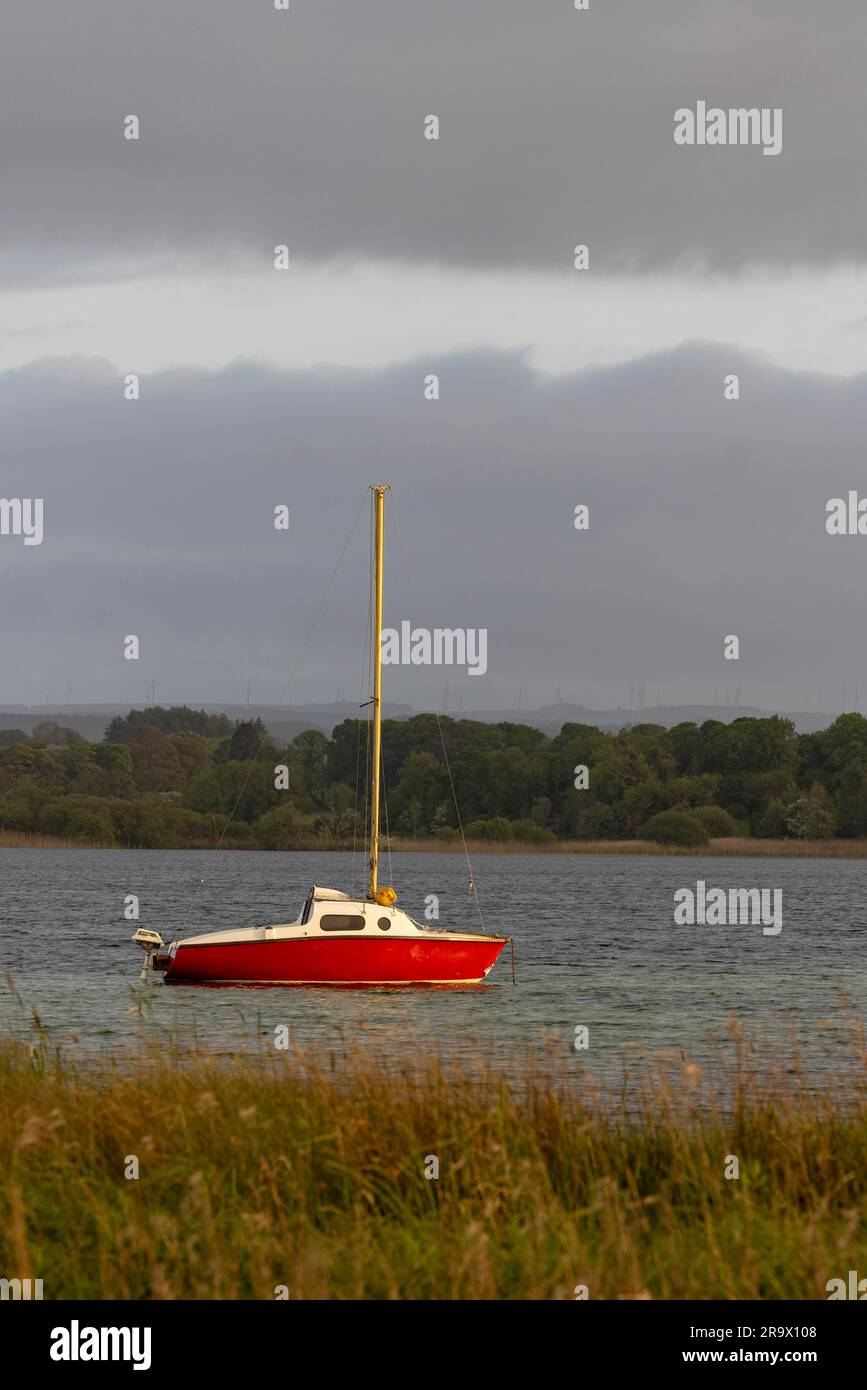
(771, 824)
(282, 828)
(27, 761)
(422, 786)
(639, 802)
(176, 720)
(244, 791)
(529, 832)
(494, 828)
(248, 742)
(312, 750)
(56, 734)
(717, 822)
(114, 761)
(81, 818)
(675, 828)
(811, 817)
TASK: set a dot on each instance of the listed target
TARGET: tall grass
(308, 1171)
(31, 839)
(735, 846)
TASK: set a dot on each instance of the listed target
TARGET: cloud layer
(707, 518)
(306, 127)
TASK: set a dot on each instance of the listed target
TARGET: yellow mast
(378, 502)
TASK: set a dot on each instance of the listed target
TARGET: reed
(733, 847)
(26, 839)
(308, 1171)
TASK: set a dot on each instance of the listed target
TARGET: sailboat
(337, 939)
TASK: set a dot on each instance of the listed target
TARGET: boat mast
(378, 502)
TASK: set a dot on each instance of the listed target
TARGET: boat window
(341, 921)
(384, 923)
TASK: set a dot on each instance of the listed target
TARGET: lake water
(596, 945)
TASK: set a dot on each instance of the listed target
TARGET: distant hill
(286, 721)
(551, 718)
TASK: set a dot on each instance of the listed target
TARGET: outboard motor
(149, 941)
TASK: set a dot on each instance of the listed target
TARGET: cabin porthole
(384, 923)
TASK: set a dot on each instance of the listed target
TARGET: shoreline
(731, 847)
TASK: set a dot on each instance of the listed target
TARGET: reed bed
(26, 839)
(304, 1175)
(743, 847)
(732, 847)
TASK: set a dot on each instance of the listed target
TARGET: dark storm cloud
(261, 127)
(707, 518)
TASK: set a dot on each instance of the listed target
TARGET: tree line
(170, 778)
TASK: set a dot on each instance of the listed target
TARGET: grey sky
(707, 518)
(409, 257)
(305, 127)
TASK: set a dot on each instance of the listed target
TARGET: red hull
(347, 961)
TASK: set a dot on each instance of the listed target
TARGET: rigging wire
(365, 685)
(471, 889)
(472, 883)
(355, 809)
(266, 736)
(385, 804)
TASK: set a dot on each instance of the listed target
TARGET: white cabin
(327, 912)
